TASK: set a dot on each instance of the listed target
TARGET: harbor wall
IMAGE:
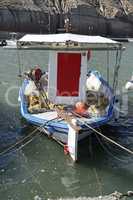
(86, 20)
(27, 21)
(83, 20)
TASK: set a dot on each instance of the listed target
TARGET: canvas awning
(67, 41)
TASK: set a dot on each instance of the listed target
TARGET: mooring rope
(102, 135)
(107, 151)
(18, 143)
(59, 116)
(23, 139)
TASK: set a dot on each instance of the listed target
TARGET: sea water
(40, 170)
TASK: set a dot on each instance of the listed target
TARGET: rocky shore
(106, 8)
(113, 18)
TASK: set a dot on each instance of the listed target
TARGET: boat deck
(53, 116)
(46, 115)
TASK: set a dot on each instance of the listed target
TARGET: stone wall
(84, 17)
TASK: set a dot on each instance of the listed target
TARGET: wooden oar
(43, 94)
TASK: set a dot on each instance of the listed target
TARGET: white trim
(73, 142)
(82, 83)
(64, 37)
(67, 41)
(52, 75)
(52, 83)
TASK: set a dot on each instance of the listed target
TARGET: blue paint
(62, 127)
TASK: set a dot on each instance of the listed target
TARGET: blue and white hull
(58, 128)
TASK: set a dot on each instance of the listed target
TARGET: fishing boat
(68, 101)
(12, 42)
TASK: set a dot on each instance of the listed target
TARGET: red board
(68, 74)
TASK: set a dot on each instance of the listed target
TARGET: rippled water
(40, 169)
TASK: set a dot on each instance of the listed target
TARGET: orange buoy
(80, 107)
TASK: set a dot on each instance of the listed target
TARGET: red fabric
(68, 74)
(38, 74)
(66, 150)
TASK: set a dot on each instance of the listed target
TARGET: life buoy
(80, 107)
(89, 53)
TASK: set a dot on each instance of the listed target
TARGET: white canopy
(67, 41)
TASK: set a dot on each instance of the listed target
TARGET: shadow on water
(12, 130)
(41, 169)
